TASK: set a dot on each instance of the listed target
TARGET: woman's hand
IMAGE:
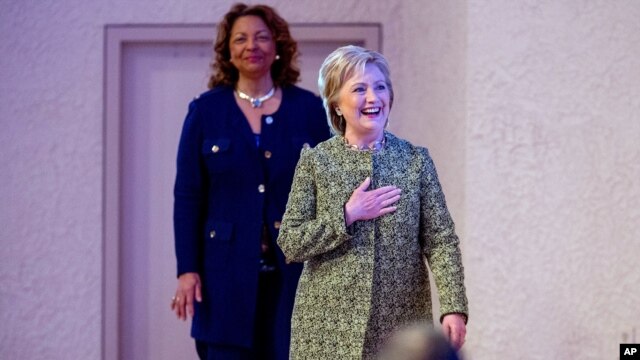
(454, 330)
(189, 289)
(366, 205)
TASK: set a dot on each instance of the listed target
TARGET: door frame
(115, 38)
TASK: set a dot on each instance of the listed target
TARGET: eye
(239, 40)
(359, 89)
(264, 38)
(381, 87)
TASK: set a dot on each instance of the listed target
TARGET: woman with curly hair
(239, 146)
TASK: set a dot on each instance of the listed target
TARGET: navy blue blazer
(226, 188)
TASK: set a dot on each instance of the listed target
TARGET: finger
(198, 293)
(460, 342)
(462, 338)
(456, 336)
(390, 201)
(183, 307)
(446, 329)
(384, 190)
(189, 304)
(177, 308)
(387, 195)
(365, 184)
(455, 339)
(387, 210)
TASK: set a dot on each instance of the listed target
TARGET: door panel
(158, 83)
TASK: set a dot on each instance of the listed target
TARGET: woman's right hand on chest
(366, 205)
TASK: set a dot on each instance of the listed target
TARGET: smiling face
(251, 46)
(364, 102)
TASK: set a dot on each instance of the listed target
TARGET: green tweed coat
(361, 282)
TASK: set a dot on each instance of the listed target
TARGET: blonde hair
(340, 66)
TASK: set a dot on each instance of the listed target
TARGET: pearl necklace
(256, 102)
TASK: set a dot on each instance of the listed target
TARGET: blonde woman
(364, 213)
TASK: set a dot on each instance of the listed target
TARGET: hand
(366, 205)
(189, 288)
(454, 330)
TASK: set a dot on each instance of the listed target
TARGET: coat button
(212, 234)
(261, 188)
(276, 224)
(306, 146)
(215, 149)
(269, 120)
(267, 154)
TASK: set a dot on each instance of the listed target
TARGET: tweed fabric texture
(360, 283)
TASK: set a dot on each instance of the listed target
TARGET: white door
(157, 84)
(158, 81)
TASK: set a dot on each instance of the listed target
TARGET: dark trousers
(263, 343)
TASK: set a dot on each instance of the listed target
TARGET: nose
(371, 95)
(251, 43)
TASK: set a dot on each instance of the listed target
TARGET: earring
(277, 57)
(338, 112)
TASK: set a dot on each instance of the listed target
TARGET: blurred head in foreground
(418, 341)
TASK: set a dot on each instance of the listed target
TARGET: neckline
(240, 120)
(337, 142)
(256, 102)
(372, 147)
(284, 90)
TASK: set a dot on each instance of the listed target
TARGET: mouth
(372, 111)
(253, 58)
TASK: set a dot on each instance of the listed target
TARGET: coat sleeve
(189, 194)
(440, 242)
(306, 232)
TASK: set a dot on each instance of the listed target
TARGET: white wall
(531, 111)
(553, 169)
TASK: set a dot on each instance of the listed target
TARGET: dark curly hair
(284, 71)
